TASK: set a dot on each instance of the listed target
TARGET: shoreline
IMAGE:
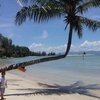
(23, 88)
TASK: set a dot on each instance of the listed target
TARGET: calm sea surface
(70, 69)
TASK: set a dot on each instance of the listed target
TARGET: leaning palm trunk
(41, 60)
(44, 10)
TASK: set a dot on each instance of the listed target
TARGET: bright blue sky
(50, 36)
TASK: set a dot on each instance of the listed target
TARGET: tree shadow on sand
(78, 87)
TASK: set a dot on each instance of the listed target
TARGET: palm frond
(92, 24)
(66, 20)
(86, 5)
(78, 27)
(21, 15)
(39, 13)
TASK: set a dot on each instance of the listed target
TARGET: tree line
(8, 49)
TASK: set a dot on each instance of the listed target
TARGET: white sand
(16, 82)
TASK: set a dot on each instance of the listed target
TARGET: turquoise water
(67, 70)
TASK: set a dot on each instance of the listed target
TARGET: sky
(48, 36)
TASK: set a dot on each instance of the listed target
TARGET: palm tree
(44, 10)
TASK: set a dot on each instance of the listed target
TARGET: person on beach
(84, 53)
(3, 85)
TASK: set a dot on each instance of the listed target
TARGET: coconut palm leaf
(87, 4)
(91, 24)
(78, 28)
(39, 13)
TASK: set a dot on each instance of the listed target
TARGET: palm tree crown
(43, 10)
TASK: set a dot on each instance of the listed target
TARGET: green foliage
(7, 49)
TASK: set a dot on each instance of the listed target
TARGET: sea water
(71, 69)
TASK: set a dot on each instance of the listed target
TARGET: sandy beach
(21, 88)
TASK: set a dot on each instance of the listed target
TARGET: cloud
(10, 35)
(95, 17)
(85, 46)
(35, 46)
(4, 25)
(44, 35)
(94, 45)
(19, 2)
(41, 47)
